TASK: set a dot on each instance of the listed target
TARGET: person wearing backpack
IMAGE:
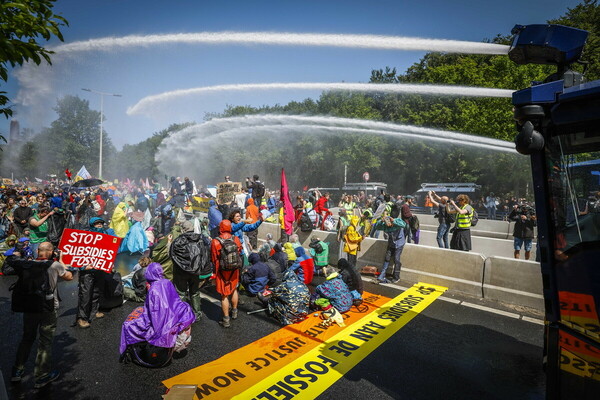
(319, 250)
(191, 265)
(35, 294)
(225, 252)
(258, 189)
(461, 235)
(444, 218)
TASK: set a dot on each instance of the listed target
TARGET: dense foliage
(22, 24)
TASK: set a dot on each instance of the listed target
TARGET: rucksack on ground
(31, 293)
(306, 224)
(230, 258)
(474, 218)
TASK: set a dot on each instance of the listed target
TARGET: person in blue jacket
(238, 227)
(214, 219)
(258, 276)
(394, 227)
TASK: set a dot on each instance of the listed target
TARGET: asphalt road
(448, 351)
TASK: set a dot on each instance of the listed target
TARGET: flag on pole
(68, 173)
(287, 222)
(82, 174)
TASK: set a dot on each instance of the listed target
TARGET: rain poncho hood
(118, 221)
(289, 250)
(162, 317)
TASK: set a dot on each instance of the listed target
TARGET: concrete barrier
(513, 281)
(484, 245)
(497, 278)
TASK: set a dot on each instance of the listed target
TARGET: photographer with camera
(525, 220)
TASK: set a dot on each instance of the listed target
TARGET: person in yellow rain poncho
(119, 222)
(352, 240)
(288, 248)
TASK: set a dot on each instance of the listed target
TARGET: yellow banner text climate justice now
(311, 374)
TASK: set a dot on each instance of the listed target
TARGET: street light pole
(102, 94)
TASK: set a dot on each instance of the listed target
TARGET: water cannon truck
(558, 124)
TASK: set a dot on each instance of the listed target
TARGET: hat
(187, 226)
(409, 197)
(24, 239)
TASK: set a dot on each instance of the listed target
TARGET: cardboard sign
(82, 248)
(200, 203)
(226, 191)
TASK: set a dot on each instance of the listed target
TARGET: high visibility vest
(349, 207)
(463, 221)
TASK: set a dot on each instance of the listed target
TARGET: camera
(56, 254)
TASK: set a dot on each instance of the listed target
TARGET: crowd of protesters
(183, 251)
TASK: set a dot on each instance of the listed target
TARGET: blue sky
(138, 72)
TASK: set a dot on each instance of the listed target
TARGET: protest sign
(82, 248)
(226, 191)
(200, 203)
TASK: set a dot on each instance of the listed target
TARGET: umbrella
(88, 182)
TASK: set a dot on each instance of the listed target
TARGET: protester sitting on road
(154, 328)
(290, 251)
(335, 290)
(289, 301)
(267, 248)
(304, 265)
(134, 284)
(351, 278)
(319, 250)
(280, 256)
(295, 241)
(257, 277)
(226, 277)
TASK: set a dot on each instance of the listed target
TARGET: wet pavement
(448, 351)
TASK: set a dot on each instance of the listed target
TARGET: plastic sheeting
(135, 241)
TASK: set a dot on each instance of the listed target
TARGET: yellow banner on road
(311, 374)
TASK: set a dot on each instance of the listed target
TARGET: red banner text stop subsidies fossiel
(82, 248)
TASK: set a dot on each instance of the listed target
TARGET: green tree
(23, 23)
(73, 139)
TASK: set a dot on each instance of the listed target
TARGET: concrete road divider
(513, 281)
(478, 274)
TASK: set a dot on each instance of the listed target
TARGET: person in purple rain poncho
(162, 318)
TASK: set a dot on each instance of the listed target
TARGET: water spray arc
(287, 39)
(145, 105)
(186, 142)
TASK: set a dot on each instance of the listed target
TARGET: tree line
(401, 163)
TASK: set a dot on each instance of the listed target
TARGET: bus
(558, 121)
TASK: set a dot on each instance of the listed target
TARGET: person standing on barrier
(444, 218)
(461, 233)
(394, 227)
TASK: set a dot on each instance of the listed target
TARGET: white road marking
(492, 310)
(464, 303)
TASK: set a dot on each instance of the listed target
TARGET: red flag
(68, 173)
(288, 210)
(305, 188)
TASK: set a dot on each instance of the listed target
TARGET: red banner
(82, 248)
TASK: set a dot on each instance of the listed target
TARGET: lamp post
(102, 94)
